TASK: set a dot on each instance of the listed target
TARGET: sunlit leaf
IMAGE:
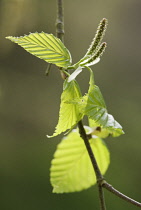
(45, 46)
(69, 114)
(93, 105)
(96, 110)
(71, 168)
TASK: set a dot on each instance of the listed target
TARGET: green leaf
(93, 105)
(71, 168)
(96, 109)
(69, 114)
(46, 47)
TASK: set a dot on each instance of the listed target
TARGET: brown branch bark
(98, 174)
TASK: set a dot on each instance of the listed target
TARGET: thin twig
(101, 197)
(90, 152)
(110, 188)
(98, 174)
(101, 182)
(60, 28)
(60, 20)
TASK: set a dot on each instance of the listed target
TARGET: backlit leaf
(93, 105)
(71, 168)
(96, 110)
(45, 46)
(69, 114)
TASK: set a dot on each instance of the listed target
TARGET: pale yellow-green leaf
(71, 169)
(45, 46)
(93, 105)
(69, 114)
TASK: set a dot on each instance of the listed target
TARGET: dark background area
(29, 101)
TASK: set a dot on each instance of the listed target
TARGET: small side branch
(100, 180)
(119, 194)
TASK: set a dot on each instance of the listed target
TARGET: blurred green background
(29, 101)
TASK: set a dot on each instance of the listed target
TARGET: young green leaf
(96, 110)
(93, 105)
(69, 114)
(71, 168)
(45, 46)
